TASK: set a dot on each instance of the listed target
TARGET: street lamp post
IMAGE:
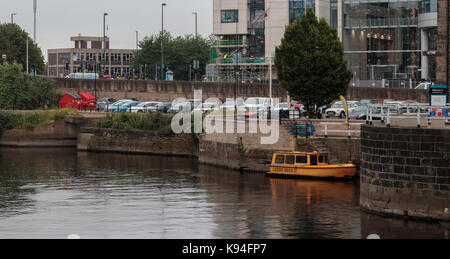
(135, 55)
(196, 49)
(162, 40)
(12, 17)
(34, 9)
(104, 41)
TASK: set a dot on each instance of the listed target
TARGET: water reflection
(51, 193)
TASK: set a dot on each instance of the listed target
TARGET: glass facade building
(382, 39)
(298, 7)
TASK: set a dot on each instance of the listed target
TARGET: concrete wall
(56, 134)
(168, 90)
(405, 172)
(136, 142)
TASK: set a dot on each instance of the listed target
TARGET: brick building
(443, 59)
(114, 62)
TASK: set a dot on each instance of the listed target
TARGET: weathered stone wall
(243, 150)
(136, 142)
(55, 134)
(167, 91)
(405, 172)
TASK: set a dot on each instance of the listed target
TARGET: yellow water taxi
(315, 165)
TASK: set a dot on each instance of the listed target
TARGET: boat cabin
(299, 159)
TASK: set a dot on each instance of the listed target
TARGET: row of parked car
(250, 104)
(358, 109)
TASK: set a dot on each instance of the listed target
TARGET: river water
(52, 193)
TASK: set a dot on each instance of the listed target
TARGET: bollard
(326, 130)
(418, 118)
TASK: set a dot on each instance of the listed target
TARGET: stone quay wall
(55, 134)
(167, 91)
(136, 142)
(405, 172)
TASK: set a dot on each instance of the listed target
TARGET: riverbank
(37, 129)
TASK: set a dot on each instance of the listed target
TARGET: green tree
(23, 92)
(310, 62)
(13, 41)
(179, 53)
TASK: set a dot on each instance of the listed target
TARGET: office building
(90, 50)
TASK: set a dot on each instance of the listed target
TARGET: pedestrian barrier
(386, 113)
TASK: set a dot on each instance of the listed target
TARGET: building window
(334, 13)
(89, 44)
(230, 16)
(298, 7)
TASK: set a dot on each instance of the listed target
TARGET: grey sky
(58, 20)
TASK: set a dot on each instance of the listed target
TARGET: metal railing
(348, 131)
(386, 113)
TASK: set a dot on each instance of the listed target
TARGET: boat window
(302, 160)
(279, 159)
(313, 160)
(290, 160)
(321, 159)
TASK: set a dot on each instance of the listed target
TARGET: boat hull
(344, 172)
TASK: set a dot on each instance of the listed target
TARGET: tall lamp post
(104, 41)
(162, 40)
(196, 65)
(12, 17)
(34, 9)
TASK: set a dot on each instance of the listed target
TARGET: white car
(257, 103)
(337, 110)
(206, 107)
(423, 86)
(231, 105)
(144, 107)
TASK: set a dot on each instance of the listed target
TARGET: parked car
(359, 113)
(423, 86)
(103, 102)
(183, 106)
(145, 107)
(337, 110)
(124, 107)
(232, 104)
(365, 102)
(163, 107)
(110, 107)
(257, 103)
(206, 107)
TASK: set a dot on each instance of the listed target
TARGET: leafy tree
(179, 53)
(13, 41)
(23, 92)
(310, 62)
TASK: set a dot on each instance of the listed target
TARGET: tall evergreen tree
(310, 62)
(13, 41)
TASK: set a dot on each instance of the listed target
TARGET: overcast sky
(58, 20)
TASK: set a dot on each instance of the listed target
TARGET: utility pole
(34, 9)
(162, 40)
(27, 56)
(104, 41)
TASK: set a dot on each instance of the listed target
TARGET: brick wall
(168, 90)
(405, 172)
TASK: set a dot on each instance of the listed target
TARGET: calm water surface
(52, 193)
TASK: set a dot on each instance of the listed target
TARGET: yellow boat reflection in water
(309, 165)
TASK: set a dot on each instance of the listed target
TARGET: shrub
(130, 122)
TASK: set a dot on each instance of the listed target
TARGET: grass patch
(156, 122)
(31, 120)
